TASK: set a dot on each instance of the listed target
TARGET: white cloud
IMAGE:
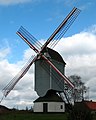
(81, 43)
(24, 90)
(11, 2)
(4, 52)
(78, 51)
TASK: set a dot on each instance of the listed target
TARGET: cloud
(4, 52)
(78, 51)
(24, 90)
(78, 44)
(12, 2)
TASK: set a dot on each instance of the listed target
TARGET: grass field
(32, 116)
(26, 115)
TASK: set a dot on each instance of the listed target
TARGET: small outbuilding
(51, 102)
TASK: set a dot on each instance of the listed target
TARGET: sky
(41, 18)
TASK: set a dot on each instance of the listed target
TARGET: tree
(76, 94)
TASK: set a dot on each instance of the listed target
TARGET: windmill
(49, 64)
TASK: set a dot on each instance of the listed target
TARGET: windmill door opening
(45, 107)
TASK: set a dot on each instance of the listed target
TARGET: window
(61, 106)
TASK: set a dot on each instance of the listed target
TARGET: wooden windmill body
(46, 77)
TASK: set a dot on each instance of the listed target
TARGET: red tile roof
(91, 105)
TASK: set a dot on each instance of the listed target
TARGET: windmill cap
(54, 55)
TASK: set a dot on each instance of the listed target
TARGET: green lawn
(32, 116)
(25, 115)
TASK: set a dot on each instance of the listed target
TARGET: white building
(51, 102)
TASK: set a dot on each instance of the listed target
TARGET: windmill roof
(54, 55)
(50, 96)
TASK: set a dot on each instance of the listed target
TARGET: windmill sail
(29, 39)
(62, 76)
(62, 28)
(6, 90)
(65, 27)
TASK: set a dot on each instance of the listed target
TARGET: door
(45, 107)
